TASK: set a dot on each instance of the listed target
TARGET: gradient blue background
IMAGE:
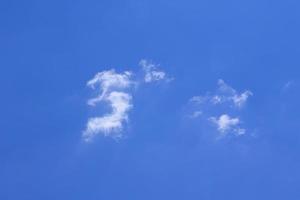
(49, 49)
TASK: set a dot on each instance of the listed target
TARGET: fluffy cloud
(114, 89)
(226, 124)
(152, 73)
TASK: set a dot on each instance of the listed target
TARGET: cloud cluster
(227, 97)
(114, 89)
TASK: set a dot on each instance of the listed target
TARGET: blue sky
(176, 134)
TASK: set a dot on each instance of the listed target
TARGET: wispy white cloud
(226, 124)
(110, 124)
(196, 114)
(239, 100)
(229, 94)
(152, 73)
(224, 94)
(198, 99)
(226, 98)
(113, 89)
(224, 88)
(108, 81)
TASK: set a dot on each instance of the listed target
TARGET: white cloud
(225, 98)
(224, 88)
(107, 81)
(112, 89)
(229, 94)
(152, 73)
(226, 124)
(110, 124)
(240, 131)
(239, 100)
(216, 99)
(198, 99)
(224, 94)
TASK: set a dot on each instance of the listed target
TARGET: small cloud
(224, 88)
(198, 99)
(226, 124)
(240, 131)
(225, 98)
(196, 114)
(216, 99)
(152, 73)
(239, 100)
(224, 94)
(229, 94)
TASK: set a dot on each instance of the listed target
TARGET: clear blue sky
(50, 49)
